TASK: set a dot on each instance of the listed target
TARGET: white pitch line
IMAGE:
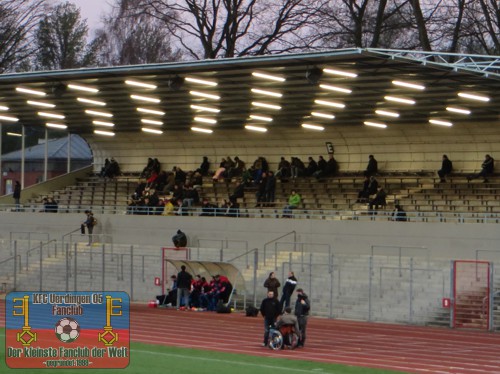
(225, 361)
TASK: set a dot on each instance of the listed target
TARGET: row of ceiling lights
(257, 104)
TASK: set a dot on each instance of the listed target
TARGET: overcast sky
(91, 10)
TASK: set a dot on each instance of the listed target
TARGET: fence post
(452, 293)
(75, 266)
(68, 269)
(41, 266)
(370, 270)
(411, 290)
(131, 273)
(491, 321)
(332, 275)
(15, 265)
(103, 267)
(255, 266)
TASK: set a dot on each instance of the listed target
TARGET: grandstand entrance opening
(174, 258)
(471, 294)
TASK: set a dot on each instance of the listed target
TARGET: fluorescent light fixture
(4, 107)
(56, 126)
(40, 104)
(271, 77)
(51, 115)
(471, 96)
(200, 81)
(152, 131)
(413, 86)
(267, 93)
(103, 123)
(147, 99)
(105, 133)
(151, 111)
(97, 113)
(458, 110)
(78, 87)
(205, 120)
(261, 118)
(92, 102)
(8, 118)
(335, 88)
(140, 84)
(330, 103)
(30, 91)
(205, 108)
(440, 122)
(401, 100)
(205, 95)
(387, 113)
(375, 124)
(151, 122)
(312, 127)
(255, 128)
(266, 105)
(340, 72)
(201, 129)
(323, 115)
(14, 134)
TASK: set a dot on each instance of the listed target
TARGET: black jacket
(270, 308)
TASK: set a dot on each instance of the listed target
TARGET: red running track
(384, 346)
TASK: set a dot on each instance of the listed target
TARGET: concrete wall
(404, 147)
(444, 240)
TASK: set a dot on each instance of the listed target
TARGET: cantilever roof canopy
(354, 86)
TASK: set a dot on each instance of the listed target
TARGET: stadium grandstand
(407, 108)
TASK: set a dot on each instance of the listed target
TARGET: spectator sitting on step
(372, 167)
(180, 175)
(220, 172)
(312, 167)
(487, 168)
(239, 191)
(378, 200)
(370, 187)
(237, 169)
(208, 209)
(168, 208)
(321, 167)
(161, 181)
(204, 167)
(446, 168)
(399, 214)
(293, 203)
(233, 209)
(331, 168)
(146, 172)
(297, 167)
(51, 206)
(283, 169)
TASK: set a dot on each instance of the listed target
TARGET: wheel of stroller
(275, 340)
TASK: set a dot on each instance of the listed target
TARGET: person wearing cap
(302, 307)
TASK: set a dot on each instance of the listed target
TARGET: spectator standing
(272, 284)
(270, 310)
(446, 168)
(372, 167)
(302, 308)
(270, 188)
(487, 168)
(184, 280)
(17, 196)
(204, 167)
(288, 289)
(89, 223)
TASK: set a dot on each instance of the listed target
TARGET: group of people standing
(279, 312)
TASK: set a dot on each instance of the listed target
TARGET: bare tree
(131, 37)
(229, 28)
(17, 21)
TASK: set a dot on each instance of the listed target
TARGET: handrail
(274, 240)
(222, 242)
(400, 252)
(28, 253)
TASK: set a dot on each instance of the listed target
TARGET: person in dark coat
(302, 308)
(270, 310)
(446, 168)
(487, 168)
(372, 167)
(288, 289)
(272, 284)
(184, 280)
(17, 195)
